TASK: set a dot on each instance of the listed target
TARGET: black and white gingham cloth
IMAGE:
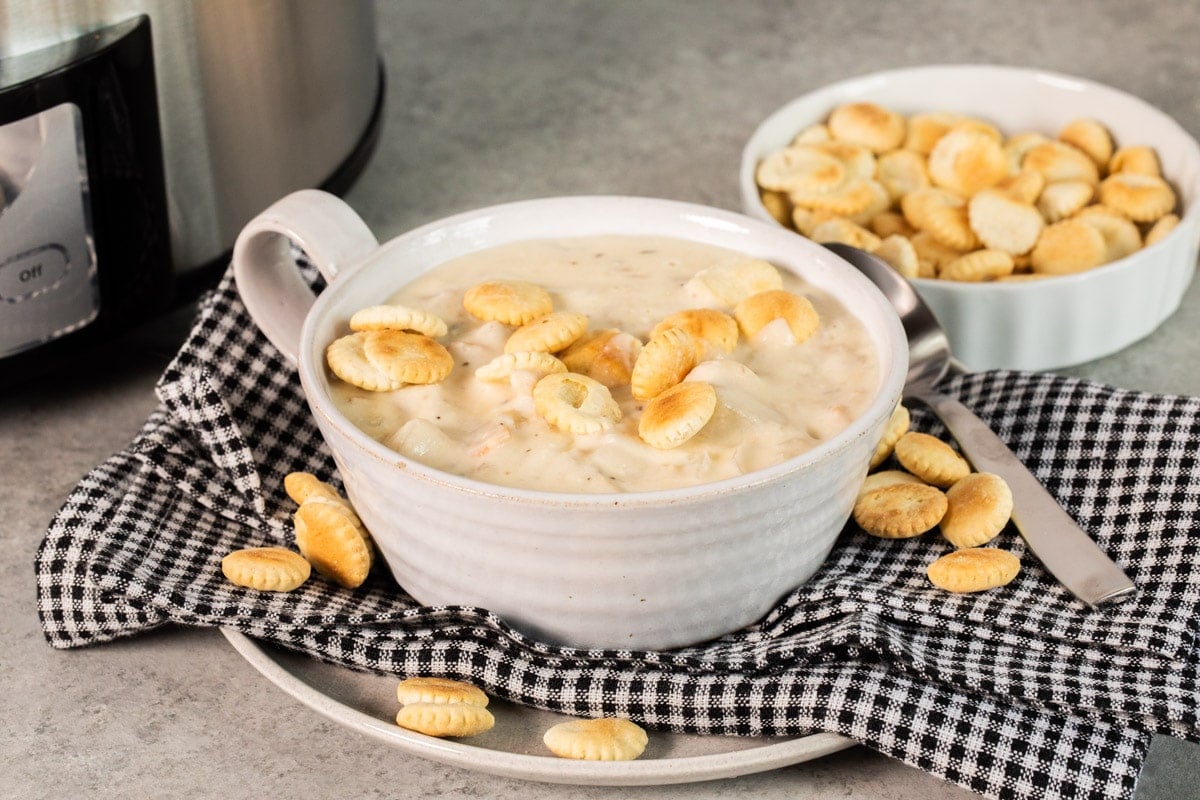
(1016, 693)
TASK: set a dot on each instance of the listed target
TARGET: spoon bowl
(929, 356)
(1057, 540)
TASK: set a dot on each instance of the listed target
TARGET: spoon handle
(1062, 546)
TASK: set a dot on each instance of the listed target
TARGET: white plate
(367, 703)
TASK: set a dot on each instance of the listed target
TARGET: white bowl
(1054, 322)
(636, 570)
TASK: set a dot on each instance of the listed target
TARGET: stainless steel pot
(255, 99)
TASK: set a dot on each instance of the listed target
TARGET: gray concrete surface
(488, 102)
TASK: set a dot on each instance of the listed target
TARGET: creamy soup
(775, 398)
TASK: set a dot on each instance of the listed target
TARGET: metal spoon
(1061, 545)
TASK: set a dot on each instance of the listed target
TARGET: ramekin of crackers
(1048, 220)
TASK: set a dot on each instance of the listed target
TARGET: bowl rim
(892, 352)
(752, 152)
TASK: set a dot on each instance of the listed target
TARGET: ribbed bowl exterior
(621, 572)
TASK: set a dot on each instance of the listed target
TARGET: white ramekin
(1042, 324)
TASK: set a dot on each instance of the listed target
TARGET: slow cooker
(137, 137)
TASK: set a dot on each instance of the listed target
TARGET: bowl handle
(274, 292)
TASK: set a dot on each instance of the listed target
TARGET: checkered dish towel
(1017, 693)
